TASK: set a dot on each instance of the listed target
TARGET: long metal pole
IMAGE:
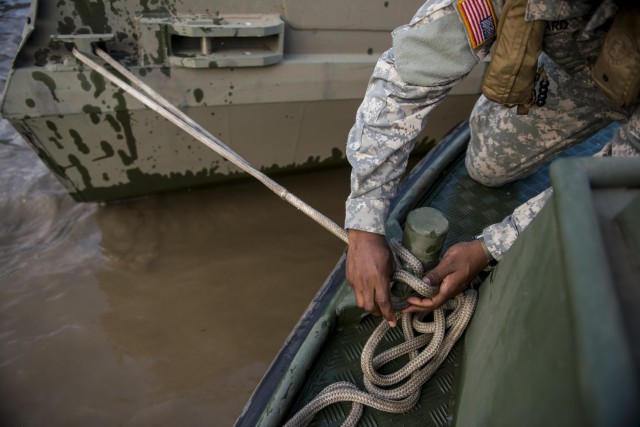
(163, 107)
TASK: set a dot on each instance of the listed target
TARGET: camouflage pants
(505, 146)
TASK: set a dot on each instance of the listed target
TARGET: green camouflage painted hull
(278, 81)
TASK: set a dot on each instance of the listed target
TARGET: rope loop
(428, 339)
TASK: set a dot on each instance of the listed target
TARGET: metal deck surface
(469, 207)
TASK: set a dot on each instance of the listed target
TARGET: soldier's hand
(369, 267)
(460, 265)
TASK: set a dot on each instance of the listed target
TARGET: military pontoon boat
(279, 81)
(555, 336)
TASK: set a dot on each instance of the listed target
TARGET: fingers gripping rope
(436, 339)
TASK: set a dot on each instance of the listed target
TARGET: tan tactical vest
(617, 70)
(512, 73)
(510, 77)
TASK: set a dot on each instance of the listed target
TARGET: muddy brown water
(163, 311)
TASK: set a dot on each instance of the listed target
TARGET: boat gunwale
(423, 176)
(610, 393)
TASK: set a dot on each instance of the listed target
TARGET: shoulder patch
(479, 19)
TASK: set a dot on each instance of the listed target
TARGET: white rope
(426, 343)
(432, 337)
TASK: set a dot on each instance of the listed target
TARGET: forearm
(626, 141)
(387, 124)
(499, 237)
(429, 56)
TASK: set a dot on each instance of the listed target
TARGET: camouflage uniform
(499, 237)
(407, 83)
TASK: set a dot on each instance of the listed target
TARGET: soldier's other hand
(460, 265)
(369, 267)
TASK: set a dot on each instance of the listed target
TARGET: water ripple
(36, 213)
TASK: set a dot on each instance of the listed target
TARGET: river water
(164, 311)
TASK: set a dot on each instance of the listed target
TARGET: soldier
(438, 48)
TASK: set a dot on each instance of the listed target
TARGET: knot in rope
(426, 342)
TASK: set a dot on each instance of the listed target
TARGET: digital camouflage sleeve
(416, 74)
(408, 82)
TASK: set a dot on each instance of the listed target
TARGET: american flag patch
(479, 19)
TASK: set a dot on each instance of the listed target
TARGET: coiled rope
(399, 391)
(435, 338)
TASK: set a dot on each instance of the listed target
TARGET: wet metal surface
(163, 311)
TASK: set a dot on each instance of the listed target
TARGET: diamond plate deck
(469, 207)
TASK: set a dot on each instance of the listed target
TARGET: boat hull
(283, 95)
